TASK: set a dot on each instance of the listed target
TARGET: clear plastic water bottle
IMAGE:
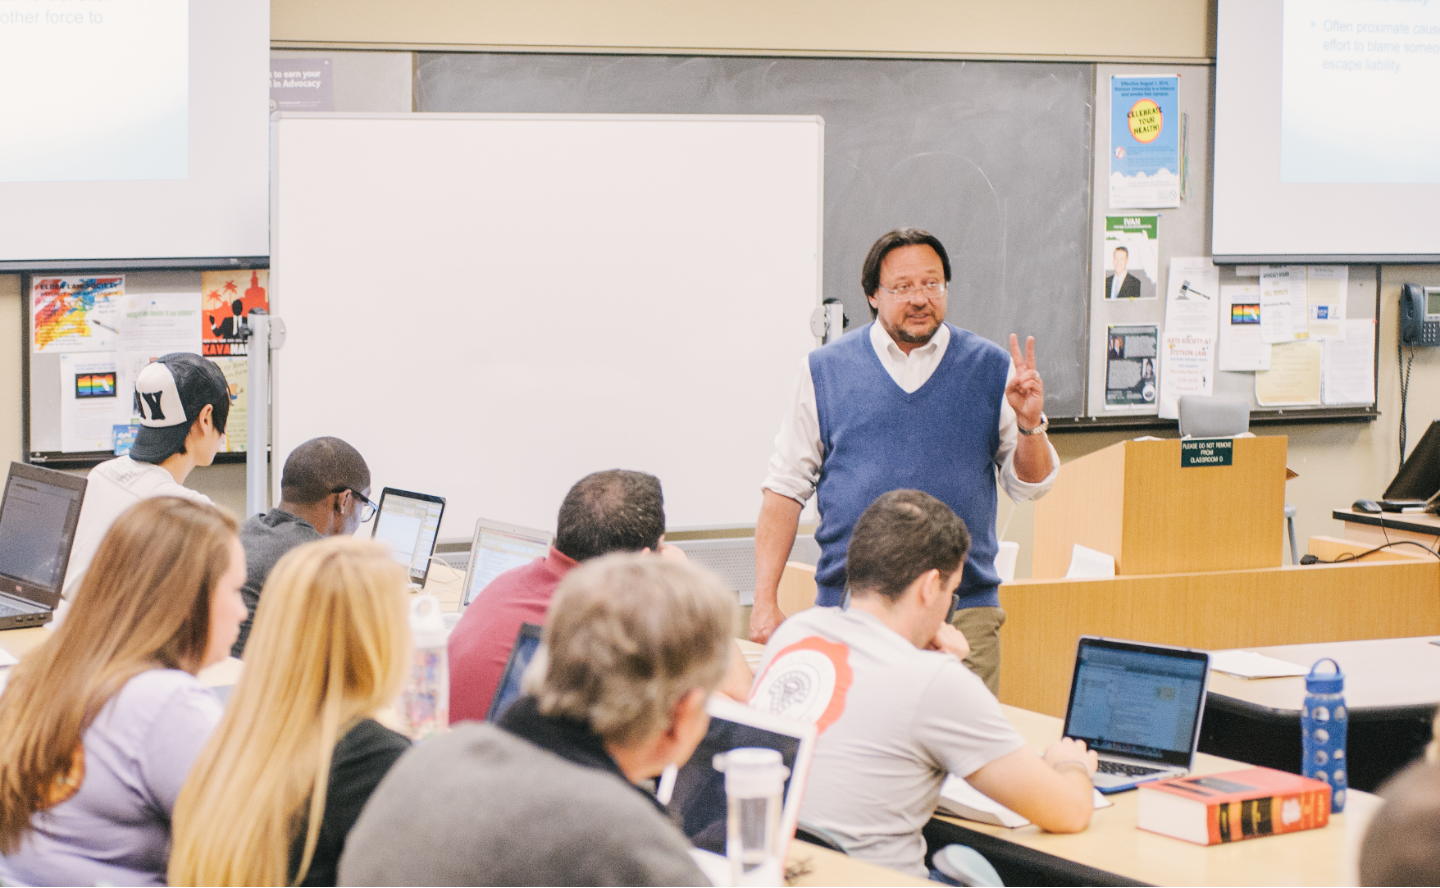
(425, 702)
(755, 791)
(1322, 731)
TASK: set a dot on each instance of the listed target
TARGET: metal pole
(257, 443)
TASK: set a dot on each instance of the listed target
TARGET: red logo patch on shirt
(807, 681)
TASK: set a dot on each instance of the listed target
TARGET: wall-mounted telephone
(1419, 315)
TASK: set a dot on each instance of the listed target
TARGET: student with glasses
(324, 492)
(909, 401)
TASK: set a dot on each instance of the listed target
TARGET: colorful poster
(1130, 371)
(1132, 257)
(75, 314)
(1144, 142)
(90, 402)
(1241, 347)
(237, 427)
(227, 299)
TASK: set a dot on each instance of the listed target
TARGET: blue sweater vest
(941, 438)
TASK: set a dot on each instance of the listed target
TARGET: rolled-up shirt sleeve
(794, 467)
(1017, 490)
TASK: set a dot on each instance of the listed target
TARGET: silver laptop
(1138, 706)
(497, 548)
(38, 515)
(409, 522)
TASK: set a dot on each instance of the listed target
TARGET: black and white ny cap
(169, 394)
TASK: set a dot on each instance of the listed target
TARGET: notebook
(1138, 706)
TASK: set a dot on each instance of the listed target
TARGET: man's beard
(902, 335)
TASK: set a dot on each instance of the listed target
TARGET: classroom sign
(1144, 142)
(1198, 452)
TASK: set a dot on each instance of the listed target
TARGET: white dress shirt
(794, 469)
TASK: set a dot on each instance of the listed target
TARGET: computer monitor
(497, 548)
(409, 522)
(38, 515)
(527, 642)
(1419, 475)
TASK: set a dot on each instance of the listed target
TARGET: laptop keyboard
(1108, 767)
(9, 611)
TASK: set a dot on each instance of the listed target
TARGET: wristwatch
(1039, 429)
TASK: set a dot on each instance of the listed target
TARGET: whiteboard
(491, 306)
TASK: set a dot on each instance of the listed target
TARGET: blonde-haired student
(100, 724)
(275, 792)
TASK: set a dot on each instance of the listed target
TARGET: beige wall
(1082, 29)
(1338, 463)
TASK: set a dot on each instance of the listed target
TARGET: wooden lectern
(1134, 501)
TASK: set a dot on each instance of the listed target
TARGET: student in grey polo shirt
(324, 491)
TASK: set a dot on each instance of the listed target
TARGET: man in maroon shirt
(612, 511)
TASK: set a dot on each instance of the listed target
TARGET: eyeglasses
(930, 289)
(954, 606)
(367, 508)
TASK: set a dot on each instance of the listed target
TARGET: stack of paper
(1248, 664)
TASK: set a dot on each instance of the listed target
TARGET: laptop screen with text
(37, 526)
(1138, 703)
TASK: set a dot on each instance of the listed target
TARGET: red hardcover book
(1233, 806)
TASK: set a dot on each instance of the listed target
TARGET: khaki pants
(981, 627)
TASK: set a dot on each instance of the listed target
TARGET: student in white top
(100, 724)
(896, 709)
(183, 401)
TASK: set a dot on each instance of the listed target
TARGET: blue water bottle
(1322, 729)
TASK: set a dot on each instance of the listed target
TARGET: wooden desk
(1392, 687)
(1211, 611)
(813, 865)
(1421, 527)
(1113, 851)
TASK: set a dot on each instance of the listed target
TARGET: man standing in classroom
(908, 401)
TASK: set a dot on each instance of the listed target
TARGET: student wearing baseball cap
(183, 402)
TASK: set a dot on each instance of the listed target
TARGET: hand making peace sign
(1026, 392)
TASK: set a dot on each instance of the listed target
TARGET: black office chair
(816, 835)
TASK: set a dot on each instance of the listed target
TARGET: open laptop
(37, 527)
(496, 548)
(695, 793)
(1418, 479)
(1138, 706)
(410, 523)
(527, 642)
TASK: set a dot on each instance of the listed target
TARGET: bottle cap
(427, 624)
(752, 773)
(1325, 683)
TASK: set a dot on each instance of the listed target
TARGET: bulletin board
(1184, 231)
(88, 333)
